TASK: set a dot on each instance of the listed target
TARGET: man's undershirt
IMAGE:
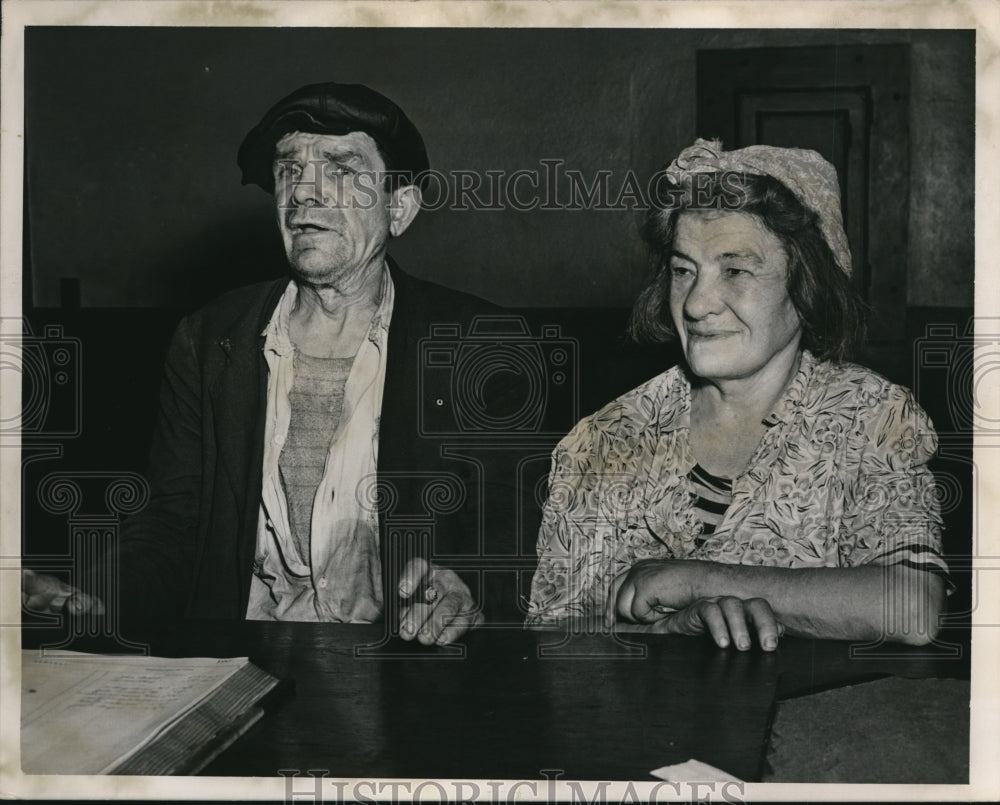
(317, 403)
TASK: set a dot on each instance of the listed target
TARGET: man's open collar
(275, 335)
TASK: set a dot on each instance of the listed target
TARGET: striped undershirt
(712, 497)
(317, 402)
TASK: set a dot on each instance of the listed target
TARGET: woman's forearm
(871, 602)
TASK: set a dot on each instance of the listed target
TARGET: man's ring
(430, 595)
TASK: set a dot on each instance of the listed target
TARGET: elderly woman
(766, 485)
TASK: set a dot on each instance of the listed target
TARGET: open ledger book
(92, 714)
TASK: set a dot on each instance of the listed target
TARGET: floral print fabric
(838, 480)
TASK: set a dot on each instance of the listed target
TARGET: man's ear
(403, 208)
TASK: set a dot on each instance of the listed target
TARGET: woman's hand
(661, 593)
(651, 588)
(729, 621)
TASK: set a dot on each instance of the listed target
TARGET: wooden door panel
(850, 104)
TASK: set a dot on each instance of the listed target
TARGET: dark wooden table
(514, 704)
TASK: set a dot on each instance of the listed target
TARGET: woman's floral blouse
(838, 480)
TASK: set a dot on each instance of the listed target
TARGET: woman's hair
(830, 309)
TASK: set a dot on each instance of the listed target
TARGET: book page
(83, 714)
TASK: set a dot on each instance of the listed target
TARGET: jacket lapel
(398, 422)
(398, 419)
(237, 386)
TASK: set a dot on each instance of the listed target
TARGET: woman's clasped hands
(665, 596)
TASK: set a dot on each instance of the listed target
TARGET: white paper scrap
(694, 771)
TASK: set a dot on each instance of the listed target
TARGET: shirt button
(322, 583)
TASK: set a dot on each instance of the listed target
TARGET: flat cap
(337, 109)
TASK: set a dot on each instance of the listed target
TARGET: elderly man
(283, 402)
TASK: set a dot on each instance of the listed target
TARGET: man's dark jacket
(190, 552)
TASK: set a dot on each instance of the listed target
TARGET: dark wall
(132, 136)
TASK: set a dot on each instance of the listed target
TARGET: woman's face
(728, 295)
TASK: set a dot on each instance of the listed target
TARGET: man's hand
(661, 593)
(442, 608)
(48, 595)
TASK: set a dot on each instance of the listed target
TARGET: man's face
(333, 209)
